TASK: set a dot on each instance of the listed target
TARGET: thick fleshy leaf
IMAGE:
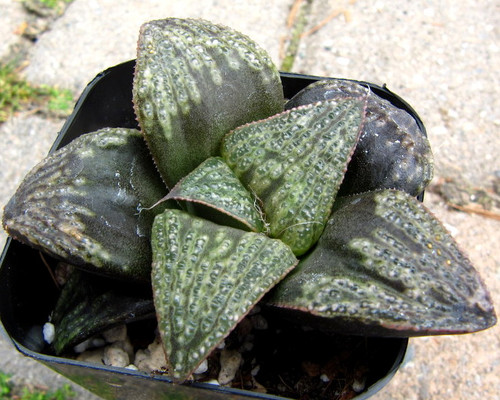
(392, 152)
(215, 185)
(385, 266)
(90, 304)
(86, 203)
(194, 82)
(294, 162)
(206, 277)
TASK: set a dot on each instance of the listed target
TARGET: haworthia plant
(385, 266)
(209, 103)
(194, 82)
(215, 185)
(87, 204)
(206, 278)
(294, 163)
(392, 152)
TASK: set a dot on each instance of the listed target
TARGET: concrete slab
(93, 35)
(12, 19)
(32, 374)
(26, 140)
(439, 56)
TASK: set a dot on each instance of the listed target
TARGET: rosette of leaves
(252, 206)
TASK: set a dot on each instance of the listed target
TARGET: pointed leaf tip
(294, 162)
(215, 185)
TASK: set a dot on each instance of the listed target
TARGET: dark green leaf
(86, 203)
(90, 304)
(194, 82)
(386, 266)
(392, 152)
(214, 184)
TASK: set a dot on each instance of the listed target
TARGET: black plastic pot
(27, 293)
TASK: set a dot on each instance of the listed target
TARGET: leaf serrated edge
(310, 105)
(382, 328)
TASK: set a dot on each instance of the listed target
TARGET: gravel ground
(442, 56)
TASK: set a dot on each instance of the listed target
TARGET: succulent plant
(310, 211)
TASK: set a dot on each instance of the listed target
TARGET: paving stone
(30, 373)
(12, 18)
(94, 35)
(26, 139)
(436, 55)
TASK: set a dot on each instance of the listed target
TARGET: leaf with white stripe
(385, 266)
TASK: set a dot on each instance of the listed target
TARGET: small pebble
(96, 342)
(157, 354)
(81, 347)
(247, 346)
(359, 385)
(152, 358)
(115, 356)
(257, 387)
(230, 361)
(89, 344)
(202, 368)
(49, 331)
(141, 360)
(281, 387)
(127, 346)
(324, 378)
(94, 356)
(132, 367)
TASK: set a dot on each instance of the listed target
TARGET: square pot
(27, 294)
